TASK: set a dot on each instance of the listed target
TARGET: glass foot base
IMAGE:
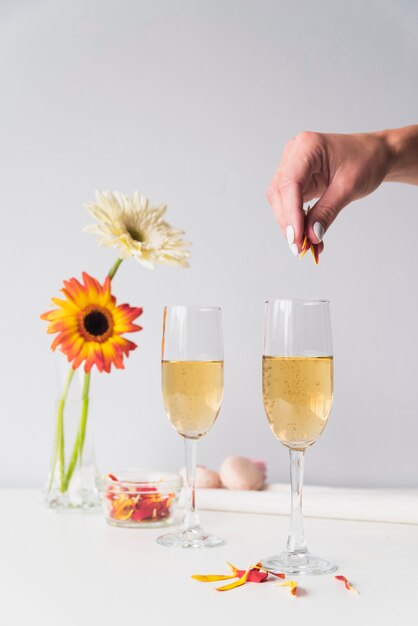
(193, 538)
(79, 500)
(306, 563)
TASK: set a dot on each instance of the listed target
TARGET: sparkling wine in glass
(192, 386)
(297, 395)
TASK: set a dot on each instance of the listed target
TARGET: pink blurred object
(205, 478)
(238, 472)
(260, 464)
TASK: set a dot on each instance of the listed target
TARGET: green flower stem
(114, 268)
(84, 414)
(65, 477)
(81, 434)
(59, 436)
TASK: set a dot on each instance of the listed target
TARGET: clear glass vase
(71, 481)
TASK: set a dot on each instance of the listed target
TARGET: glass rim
(132, 480)
(296, 301)
(195, 307)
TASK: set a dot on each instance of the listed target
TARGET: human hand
(334, 168)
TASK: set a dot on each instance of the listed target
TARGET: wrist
(401, 146)
(392, 150)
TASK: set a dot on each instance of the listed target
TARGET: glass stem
(190, 518)
(296, 538)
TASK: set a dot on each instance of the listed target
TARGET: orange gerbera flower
(90, 325)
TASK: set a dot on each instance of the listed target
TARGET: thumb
(325, 210)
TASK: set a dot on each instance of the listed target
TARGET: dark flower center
(135, 234)
(96, 323)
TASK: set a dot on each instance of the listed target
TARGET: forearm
(402, 144)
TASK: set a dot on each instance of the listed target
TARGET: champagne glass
(297, 395)
(192, 384)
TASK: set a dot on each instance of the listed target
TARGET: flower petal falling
(313, 247)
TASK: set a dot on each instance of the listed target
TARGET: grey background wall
(191, 103)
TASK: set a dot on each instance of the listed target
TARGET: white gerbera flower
(137, 229)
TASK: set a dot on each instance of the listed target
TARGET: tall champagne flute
(192, 385)
(297, 395)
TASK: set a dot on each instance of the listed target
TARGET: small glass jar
(139, 499)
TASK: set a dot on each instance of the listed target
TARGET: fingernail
(290, 234)
(319, 231)
(294, 249)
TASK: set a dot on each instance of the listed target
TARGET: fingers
(292, 215)
(286, 203)
(326, 209)
(301, 161)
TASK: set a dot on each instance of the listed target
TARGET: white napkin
(377, 505)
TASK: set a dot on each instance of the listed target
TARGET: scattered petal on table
(348, 586)
(278, 574)
(289, 583)
(236, 583)
(209, 578)
(255, 575)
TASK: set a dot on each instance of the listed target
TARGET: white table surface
(74, 569)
